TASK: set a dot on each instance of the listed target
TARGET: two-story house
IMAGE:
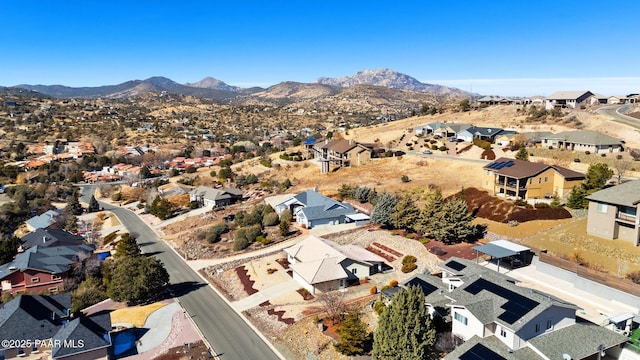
(567, 99)
(311, 208)
(528, 180)
(497, 319)
(341, 153)
(613, 212)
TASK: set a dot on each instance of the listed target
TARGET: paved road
(615, 112)
(224, 329)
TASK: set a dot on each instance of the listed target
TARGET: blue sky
(490, 47)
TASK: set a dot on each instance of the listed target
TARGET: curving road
(229, 336)
(615, 112)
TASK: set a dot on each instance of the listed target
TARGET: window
(35, 279)
(602, 208)
(53, 289)
(546, 179)
(539, 180)
(488, 172)
(503, 332)
(537, 327)
(55, 277)
(486, 183)
(461, 318)
(354, 270)
(549, 324)
(530, 181)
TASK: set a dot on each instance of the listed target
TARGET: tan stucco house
(528, 180)
(613, 212)
(321, 265)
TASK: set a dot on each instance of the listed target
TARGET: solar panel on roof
(456, 265)
(510, 163)
(501, 165)
(424, 286)
(516, 306)
(480, 352)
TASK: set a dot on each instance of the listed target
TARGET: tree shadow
(152, 253)
(183, 288)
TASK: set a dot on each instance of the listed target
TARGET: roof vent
(566, 357)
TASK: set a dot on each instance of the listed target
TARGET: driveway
(286, 287)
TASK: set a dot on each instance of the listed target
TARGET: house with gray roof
(497, 319)
(210, 197)
(39, 269)
(321, 265)
(47, 322)
(613, 212)
(477, 132)
(50, 238)
(567, 99)
(310, 208)
(583, 140)
(43, 220)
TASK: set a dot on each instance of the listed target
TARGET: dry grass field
(136, 315)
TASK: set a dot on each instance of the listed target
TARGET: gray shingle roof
(43, 220)
(210, 193)
(92, 332)
(318, 206)
(50, 237)
(496, 346)
(31, 317)
(567, 95)
(626, 194)
(55, 260)
(587, 137)
(578, 340)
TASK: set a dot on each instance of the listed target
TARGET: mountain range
(219, 90)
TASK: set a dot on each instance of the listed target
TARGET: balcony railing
(626, 217)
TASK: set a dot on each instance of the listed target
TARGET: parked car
(427, 152)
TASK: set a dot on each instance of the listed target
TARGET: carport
(512, 253)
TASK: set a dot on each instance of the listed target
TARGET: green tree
(555, 202)
(522, 154)
(353, 335)
(457, 222)
(270, 219)
(577, 198)
(127, 247)
(431, 215)
(406, 214)
(73, 204)
(145, 173)
(137, 279)
(225, 173)
(245, 236)
(286, 215)
(8, 249)
(93, 205)
(252, 179)
(284, 227)
(384, 207)
(214, 233)
(286, 184)
(596, 177)
(89, 292)
(405, 330)
(162, 208)
(465, 105)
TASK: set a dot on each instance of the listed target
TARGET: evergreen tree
(73, 204)
(457, 225)
(161, 208)
(136, 279)
(89, 292)
(353, 335)
(8, 249)
(384, 207)
(596, 177)
(431, 215)
(93, 205)
(127, 247)
(555, 203)
(523, 153)
(405, 330)
(577, 198)
(406, 214)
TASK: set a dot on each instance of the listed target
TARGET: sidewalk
(258, 298)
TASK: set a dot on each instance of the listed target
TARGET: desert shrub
(393, 283)
(404, 179)
(576, 160)
(410, 236)
(434, 147)
(264, 240)
(270, 219)
(304, 292)
(443, 148)
(214, 233)
(116, 196)
(619, 157)
(285, 215)
(407, 268)
(634, 276)
(379, 307)
(373, 290)
(587, 152)
(424, 240)
(541, 205)
(603, 155)
(240, 243)
(483, 144)
(520, 202)
(409, 259)
(246, 235)
(271, 270)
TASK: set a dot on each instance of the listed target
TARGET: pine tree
(127, 247)
(405, 330)
(406, 214)
(353, 335)
(93, 205)
(457, 225)
(136, 279)
(596, 177)
(522, 153)
(577, 198)
(385, 206)
(73, 204)
(431, 215)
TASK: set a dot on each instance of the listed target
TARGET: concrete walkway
(273, 292)
(159, 325)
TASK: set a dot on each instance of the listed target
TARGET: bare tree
(333, 303)
(621, 166)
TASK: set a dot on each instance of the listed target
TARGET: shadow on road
(152, 253)
(180, 289)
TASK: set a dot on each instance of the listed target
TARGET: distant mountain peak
(388, 78)
(212, 83)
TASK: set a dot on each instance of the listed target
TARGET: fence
(623, 285)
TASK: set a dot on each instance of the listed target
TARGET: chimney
(44, 239)
(315, 188)
(350, 141)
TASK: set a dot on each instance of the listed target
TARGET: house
(582, 140)
(613, 212)
(528, 180)
(210, 197)
(505, 138)
(341, 152)
(50, 238)
(476, 132)
(441, 129)
(321, 265)
(433, 289)
(534, 138)
(52, 333)
(41, 269)
(567, 99)
(43, 220)
(497, 319)
(311, 208)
